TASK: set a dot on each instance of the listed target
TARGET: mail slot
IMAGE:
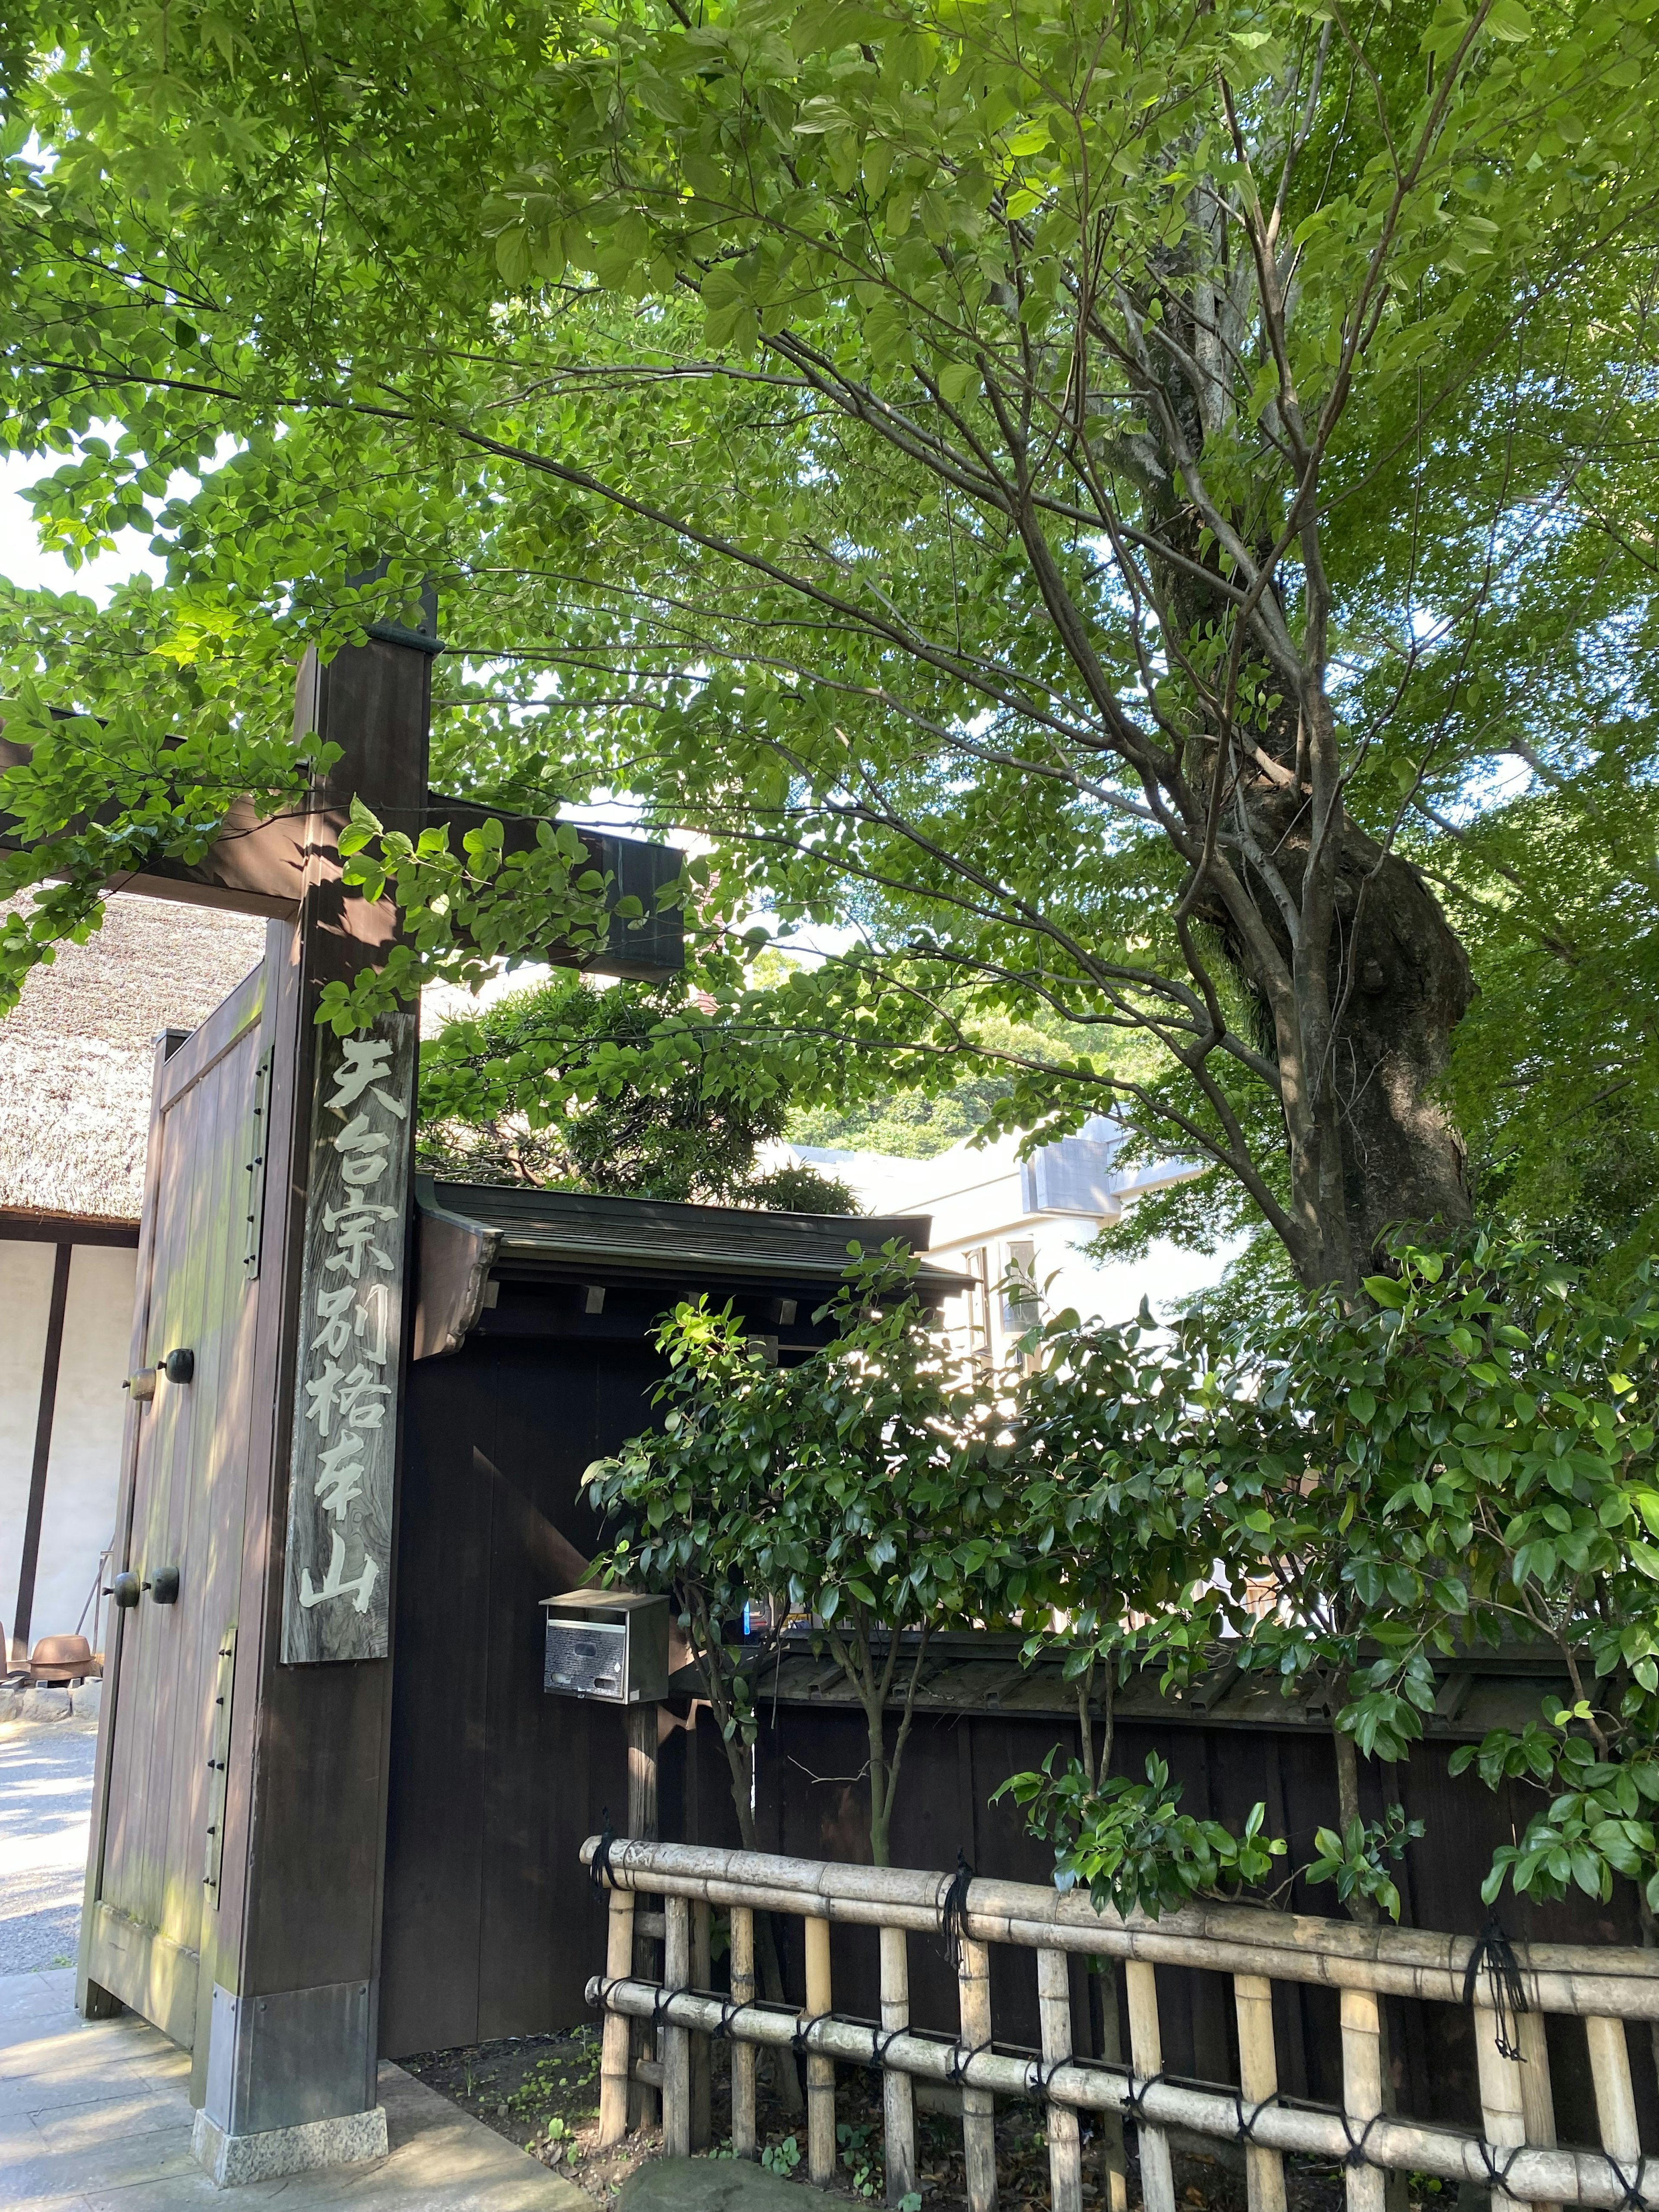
(607, 1644)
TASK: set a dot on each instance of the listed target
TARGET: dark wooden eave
(475, 1234)
(1482, 1688)
(34, 1225)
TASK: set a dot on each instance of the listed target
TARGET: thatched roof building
(77, 1055)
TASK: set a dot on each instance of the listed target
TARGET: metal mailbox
(606, 1645)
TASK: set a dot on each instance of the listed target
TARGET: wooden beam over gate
(257, 863)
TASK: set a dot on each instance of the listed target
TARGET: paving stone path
(709, 2184)
(45, 1800)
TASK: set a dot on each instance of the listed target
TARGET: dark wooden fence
(811, 1804)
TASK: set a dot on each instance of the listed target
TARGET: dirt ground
(542, 2093)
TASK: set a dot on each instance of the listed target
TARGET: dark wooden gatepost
(289, 1968)
(236, 1876)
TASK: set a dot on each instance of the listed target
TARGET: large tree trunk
(1396, 983)
(1358, 977)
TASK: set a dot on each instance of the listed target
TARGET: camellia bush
(1337, 1496)
(1465, 1460)
(865, 1490)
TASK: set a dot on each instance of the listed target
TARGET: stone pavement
(95, 2117)
(46, 1798)
(709, 2184)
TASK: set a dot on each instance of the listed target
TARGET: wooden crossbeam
(256, 865)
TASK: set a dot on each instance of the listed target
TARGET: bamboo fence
(1515, 2155)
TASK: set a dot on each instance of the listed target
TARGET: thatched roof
(76, 1055)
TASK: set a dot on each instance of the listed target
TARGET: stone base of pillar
(230, 2160)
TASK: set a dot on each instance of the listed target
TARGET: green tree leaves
(1132, 1845)
(862, 1489)
(631, 1091)
(998, 476)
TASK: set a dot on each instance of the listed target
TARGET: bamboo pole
(702, 1972)
(1361, 2094)
(1258, 2080)
(640, 1726)
(1503, 2106)
(1114, 2150)
(1147, 2051)
(1065, 2142)
(674, 2041)
(746, 2139)
(820, 2069)
(1615, 2097)
(614, 2043)
(1566, 1978)
(898, 2101)
(1556, 2177)
(979, 2124)
(1537, 2096)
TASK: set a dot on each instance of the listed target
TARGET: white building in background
(996, 1216)
(75, 1061)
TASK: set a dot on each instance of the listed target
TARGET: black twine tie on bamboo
(953, 1910)
(960, 2060)
(1038, 2077)
(1135, 2096)
(1632, 2200)
(600, 1871)
(1506, 1993)
(1497, 2175)
(1246, 2120)
(1356, 2155)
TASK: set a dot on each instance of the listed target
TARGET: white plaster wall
(1067, 1277)
(25, 1295)
(976, 1197)
(84, 1469)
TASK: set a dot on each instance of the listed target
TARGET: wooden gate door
(155, 1871)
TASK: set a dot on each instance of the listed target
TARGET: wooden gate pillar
(285, 2055)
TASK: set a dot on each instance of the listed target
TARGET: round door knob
(179, 1366)
(163, 1586)
(124, 1590)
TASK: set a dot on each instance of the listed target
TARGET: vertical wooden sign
(342, 1457)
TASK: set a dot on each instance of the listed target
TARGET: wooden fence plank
(745, 2141)
(1615, 2095)
(1503, 2107)
(1362, 2091)
(702, 1975)
(1258, 2078)
(1537, 2097)
(675, 2042)
(613, 2049)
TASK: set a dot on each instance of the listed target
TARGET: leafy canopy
(943, 453)
(631, 1091)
